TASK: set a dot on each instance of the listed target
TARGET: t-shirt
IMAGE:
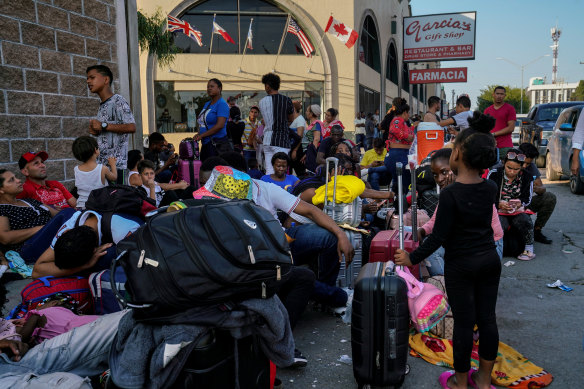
(21, 217)
(275, 110)
(532, 171)
(371, 156)
(503, 115)
(154, 157)
(249, 126)
(308, 136)
(369, 128)
(255, 173)
(121, 227)
(298, 122)
(461, 119)
(209, 116)
(359, 130)
(158, 193)
(325, 146)
(52, 193)
(235, 131)
(59, 321)
(114, 110)
(273, 198)
(287, 184)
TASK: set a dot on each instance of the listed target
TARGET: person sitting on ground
(162, 194)
(324, 150)
(543, 202)
(346, 149)
(280, 162)
(312, 136)
(235, 128)
(36, 186)
(373, 162)
(133, 178)
(443, 176)
(515, 194)
(90, 175)
(330, 120)
(252, 169)
(164, 170)
(78, 247)
(25, 224)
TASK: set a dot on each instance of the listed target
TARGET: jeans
(296, 291)
(83, 351)
(312, 241)
(361, 141)
(269, 152)
(376, 176)
(369, 143)
(39, 242)
(522, 222)
(393, 156)
(249, 154)
(435, 263)
(499, 248)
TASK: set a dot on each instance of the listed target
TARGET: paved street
(541, 323)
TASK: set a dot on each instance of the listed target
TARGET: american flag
(295, 29)
(175, 24)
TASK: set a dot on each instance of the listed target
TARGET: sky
(518, 30)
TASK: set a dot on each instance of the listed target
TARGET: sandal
(443, 379)
(471, 382)
(526, 256)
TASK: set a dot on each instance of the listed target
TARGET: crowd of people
(284, 149)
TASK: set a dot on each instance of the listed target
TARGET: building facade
(365, 77)
(46, 47)
(539, 92)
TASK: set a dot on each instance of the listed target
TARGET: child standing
(472, 266)
(90, 175)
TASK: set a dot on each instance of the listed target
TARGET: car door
(565, 141)
(526, 126)
(554, 141)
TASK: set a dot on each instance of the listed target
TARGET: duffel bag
(212, 252)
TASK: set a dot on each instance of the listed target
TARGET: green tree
(155, 39)
(513, 97)
(578, 95)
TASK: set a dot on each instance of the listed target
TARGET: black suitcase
(380, 322)
(212, 364)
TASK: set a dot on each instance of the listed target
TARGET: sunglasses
(514, 155)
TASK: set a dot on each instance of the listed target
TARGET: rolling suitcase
(348, 274)
(380, 325)
(347, 213)
(385, 243)
(188, 170)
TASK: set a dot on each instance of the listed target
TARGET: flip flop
(471, 381)
(443, 379)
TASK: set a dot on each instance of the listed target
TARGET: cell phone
(515, 202)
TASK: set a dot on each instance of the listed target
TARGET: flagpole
(319, 43)
(245, 47)
(282, 42)
(211, 48)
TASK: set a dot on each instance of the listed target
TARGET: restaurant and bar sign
(439, 37)
(440, 75)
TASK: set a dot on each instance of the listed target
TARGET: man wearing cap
(36, 186)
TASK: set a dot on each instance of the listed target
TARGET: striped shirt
(275, 110)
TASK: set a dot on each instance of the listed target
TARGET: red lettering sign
(433, 76)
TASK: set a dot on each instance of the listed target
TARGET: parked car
(539, 124)
(516, 134)
(559, 149)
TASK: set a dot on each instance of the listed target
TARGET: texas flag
(217, 29)
(343, 33)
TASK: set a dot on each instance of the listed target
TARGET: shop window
(391, 68)
(368, 100)
(405, 78)
(369, 45)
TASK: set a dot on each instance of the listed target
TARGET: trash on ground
(347, 360)
(560, 285)
(540, 296)
(509, 263)
(567, 251)
(520, 313)
(343, 340)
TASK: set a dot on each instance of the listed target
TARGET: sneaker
(526, 256)
(541, 238)
(299, 359)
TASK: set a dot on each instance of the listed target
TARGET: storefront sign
(432, 76)
(439, 37)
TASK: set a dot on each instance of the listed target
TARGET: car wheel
(576, 184)
(549, 172)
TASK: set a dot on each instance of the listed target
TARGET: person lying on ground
(162, 194)
(79, 248)
(36, 186)
(90, 175)
(281, 162)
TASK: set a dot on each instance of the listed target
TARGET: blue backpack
(104, 299)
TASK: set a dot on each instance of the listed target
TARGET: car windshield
(550, 114)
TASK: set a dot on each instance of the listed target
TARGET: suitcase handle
(119, 297)
(414, 203)
(336, 164)
(399, 169)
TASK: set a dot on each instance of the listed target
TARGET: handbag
(428, 305)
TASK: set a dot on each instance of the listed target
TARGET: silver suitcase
(348, 275)
(341, 213)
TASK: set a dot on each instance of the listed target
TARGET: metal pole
(245, 46)
(211, 48)
(522, 68)
(281, 42)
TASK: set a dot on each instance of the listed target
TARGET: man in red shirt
(505, 115)
(36, 186)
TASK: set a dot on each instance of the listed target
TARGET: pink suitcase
(189, 171)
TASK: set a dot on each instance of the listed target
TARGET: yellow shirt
(371, 156)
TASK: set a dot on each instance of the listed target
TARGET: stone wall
(45, 47)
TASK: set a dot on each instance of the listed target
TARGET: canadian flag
(343, 33)
(217, 29)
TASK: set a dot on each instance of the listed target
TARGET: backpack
(212, 252)
(113, 199)
(188, 149)
(44, 287)
(104, 299)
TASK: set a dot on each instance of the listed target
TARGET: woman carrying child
(472, 266)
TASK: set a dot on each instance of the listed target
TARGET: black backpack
(212, 252)
(116, 199)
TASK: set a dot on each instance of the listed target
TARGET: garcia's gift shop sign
(439, 37)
